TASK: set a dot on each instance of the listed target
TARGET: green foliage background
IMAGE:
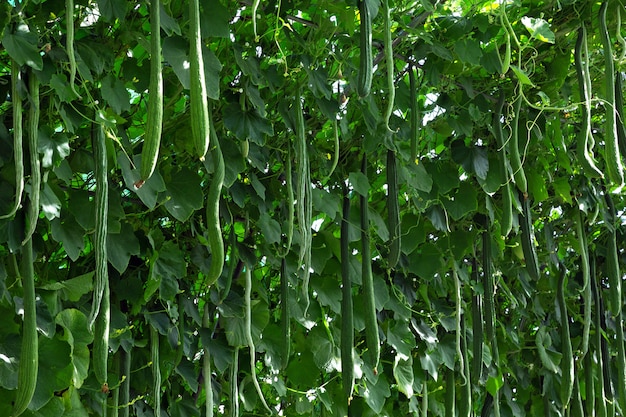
(450, 198)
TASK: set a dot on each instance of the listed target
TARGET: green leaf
(562, 189)
(50, 203)
(463, 202)
(469, 51)
(115, 94)
(54, 146)
(234, 322)
(326, 292)
(247, 124)
(537, 185)
(70, 234)
(325, 353)
(258, 186)
(175, 52)
(549, 359)
(214, 20)
(412, 232)
(376, 393)
(77, 334)
(522, 76)
(270, 228)
(185, 194)
(21, 45)
(359, 182)
(403, 374)
(538, 28)
(110, 10)
(166, 268)
(430, 365)
(168, 24)
(149, 191)
(399, 336)
(74, 288)
(61, 86)
(494, 383)
(121, 246)
(417, 177)
(73, 404)
(318, 82)
(55, 371)
(426, 269)
(326, 202)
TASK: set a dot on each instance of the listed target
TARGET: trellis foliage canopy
(405, 207)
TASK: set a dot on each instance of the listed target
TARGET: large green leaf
(185, 194)
(21, 44)
(403, 374)
(78, 336)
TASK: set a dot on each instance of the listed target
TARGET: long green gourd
(29, 359)
(154, 121)
(156, 370)
(214, 227)
(585, 141)
(18, 151)
(612, 157)
(206, 368)
(364, 82)
(33, 149)
(393, 209)
(198, 98)
(347, 321)
(101, 298)
(367, 280)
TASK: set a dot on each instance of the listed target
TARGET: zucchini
(154, 121)
(18, 151)
(366, 71)
(29, 360)
(347, 322)
(198, 98)
(367, 280)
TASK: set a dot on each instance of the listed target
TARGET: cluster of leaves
(450, 198)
